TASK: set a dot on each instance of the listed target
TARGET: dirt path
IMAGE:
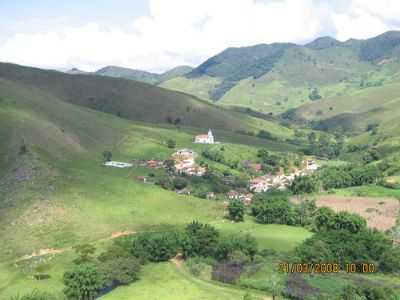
(52, 251)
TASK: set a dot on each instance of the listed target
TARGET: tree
(120, 271)
(312, 138)
(265, 135)
(314, 95)
(23, 149)
(236, 210)
(84, 251)
(390, 260)
(348, 221)
(271, 208)
(200, 240)
(169, 164)
(82, 283)
(304, 185)
(171, 144)
(179, 183)
(323, 219)
(246, 245)
(107, 155)
(154, 247)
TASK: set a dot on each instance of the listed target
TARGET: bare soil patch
(41, 252)
(118, 234)
(380, 213)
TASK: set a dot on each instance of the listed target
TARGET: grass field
(58, 194)
(169, 282)
(277, 237)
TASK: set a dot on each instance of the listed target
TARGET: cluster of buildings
(243, 196)
(185, 163)
(281, 181)
(152, 163)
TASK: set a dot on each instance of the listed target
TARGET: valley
(174, 219)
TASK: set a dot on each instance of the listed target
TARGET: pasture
(380, 213)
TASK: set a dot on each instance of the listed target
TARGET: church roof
(203, 136)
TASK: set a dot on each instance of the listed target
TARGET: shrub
(83, 282)
(200, 240)
(179, 183)
(120, 271)
(269, 208)
(171, 144)
(107, 155)
(155, 247)
(236, 210)
(304, 185)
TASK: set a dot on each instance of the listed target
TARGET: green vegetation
(123, 98)
(73, 227)
(236, 210)
(279, 77)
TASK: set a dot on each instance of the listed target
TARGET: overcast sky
(156, 35)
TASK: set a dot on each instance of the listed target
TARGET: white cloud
(188, 31)
(366, 18)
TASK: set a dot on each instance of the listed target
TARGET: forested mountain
(277, 77)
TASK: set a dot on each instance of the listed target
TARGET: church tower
(210, 137)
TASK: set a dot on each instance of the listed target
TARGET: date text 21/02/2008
(327, 267)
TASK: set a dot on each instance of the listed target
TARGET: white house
(118, 164)
(205, 138)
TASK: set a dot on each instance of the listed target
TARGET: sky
(156, 35)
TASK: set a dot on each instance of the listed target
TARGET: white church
(205, 138)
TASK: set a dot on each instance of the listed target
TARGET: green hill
(134, 100)
(277, 77)
(119, 72)
(142, 76)
(55, 193)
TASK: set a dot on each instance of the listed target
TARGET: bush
(83, 282)
(119, 271)
(198, 265)
(236, 210)
(304, 185)
(314, 95)
(155, 247)
(230, 244)
(107, 155)
(343, 246)
(200, 240)
(171, 144)
(269, 208)
(179, 183)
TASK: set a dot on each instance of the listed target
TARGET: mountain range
(277, 77)
(137, 75)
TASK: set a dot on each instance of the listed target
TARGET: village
(183, 163)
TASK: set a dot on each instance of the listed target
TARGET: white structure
(205, 138)
(311, 165)
(117, 164)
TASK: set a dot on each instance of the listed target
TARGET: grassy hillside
(57, 194)
(275, 78)
(130, 99)
(138, 75)
(119, 72)
(375, 105)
